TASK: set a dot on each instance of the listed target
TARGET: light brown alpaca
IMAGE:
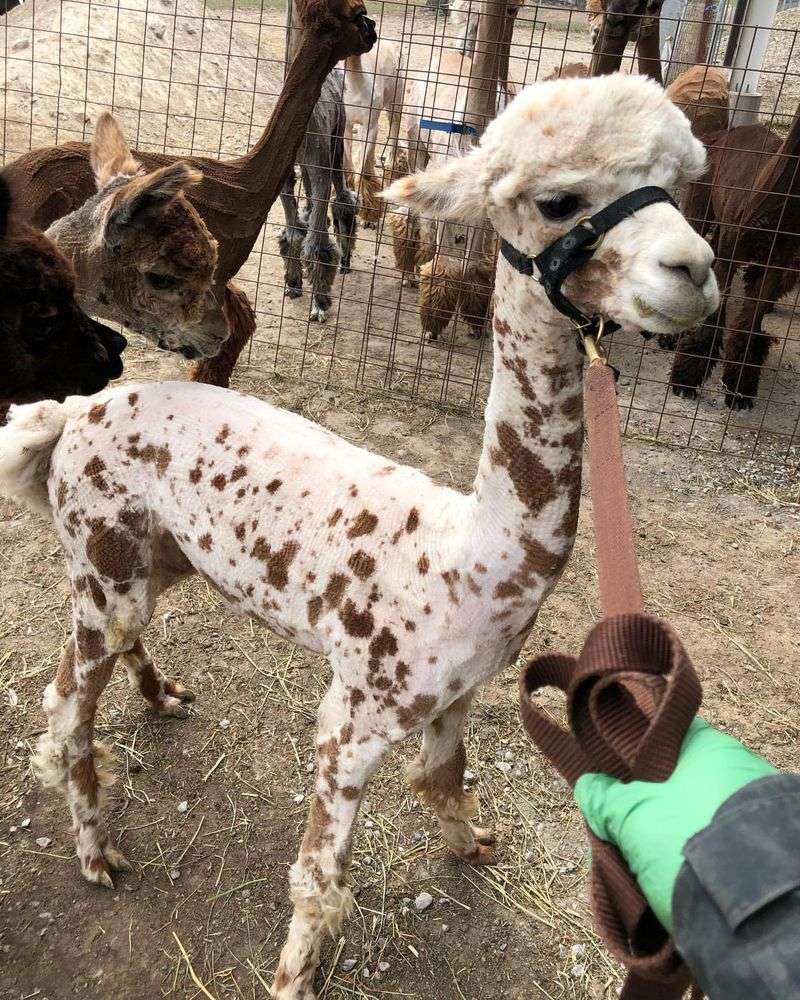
(142, 255)
(234, 196)
(373, 82)
(703, 94)
(454, 262)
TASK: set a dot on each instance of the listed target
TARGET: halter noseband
(574, 249)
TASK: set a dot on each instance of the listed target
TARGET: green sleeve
(650, 822)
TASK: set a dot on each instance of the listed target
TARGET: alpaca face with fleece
(416, 593)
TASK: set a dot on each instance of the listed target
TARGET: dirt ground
(209, 810)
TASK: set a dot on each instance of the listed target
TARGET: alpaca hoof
(97, 865)
(318, 314)
(177, 690)
(685, 391)
(483, 854)
(736, 401)
(292, 292)
(369, 224)
(667, 341)
(410, 283)
(344, 267)
(431, 337)
(175, 708)
(484, 836)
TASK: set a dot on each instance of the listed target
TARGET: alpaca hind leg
(290, 241)
(476, 300)
(437, 778)
(67, 756)
(438, 298)
(747, 346)
(345, 221)
(167, 696)
(347, 756)
(320, 255)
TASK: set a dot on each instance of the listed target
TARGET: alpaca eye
(559, 207)
(161, 282)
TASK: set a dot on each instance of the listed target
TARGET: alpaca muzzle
(575, 248)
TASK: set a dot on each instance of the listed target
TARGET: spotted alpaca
(416, 593)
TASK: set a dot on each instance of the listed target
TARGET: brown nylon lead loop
(617, 569)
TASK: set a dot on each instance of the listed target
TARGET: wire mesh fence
(201, 77)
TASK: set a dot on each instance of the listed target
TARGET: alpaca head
(50, 348)
(142, 253)
(564, 150)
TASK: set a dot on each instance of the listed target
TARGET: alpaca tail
(26, 448)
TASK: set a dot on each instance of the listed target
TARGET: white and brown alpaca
(142, 254)
(415, 592)
(454, 263)
(373, 83)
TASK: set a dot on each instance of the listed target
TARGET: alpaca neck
(527, 489)
(313, 58)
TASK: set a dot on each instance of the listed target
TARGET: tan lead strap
(617, 569)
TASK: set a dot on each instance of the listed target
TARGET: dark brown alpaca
(50, 349)
(612, 23)
(748, 206)
(234, 196)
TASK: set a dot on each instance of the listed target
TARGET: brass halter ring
(591, 344)
(587, 220)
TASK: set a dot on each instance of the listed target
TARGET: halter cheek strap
(574, 249)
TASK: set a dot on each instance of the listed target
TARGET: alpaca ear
(110, 154)
(134, 205)
(450, 191)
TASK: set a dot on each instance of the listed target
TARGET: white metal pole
(753, 40)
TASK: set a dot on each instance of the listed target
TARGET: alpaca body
(374, 83)
(305, 240)
(765, 248)
(416, 593)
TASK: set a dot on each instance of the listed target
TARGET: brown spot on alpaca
(451, 578)
(159, 456)
(411, 715)
(149, 685)
(412, 521)
(364, 524)
(456, 684)
(572, 406)
(238, 473)
(314, 610)
(423, 564)
(436, 785)
(334, 517)
(401, 671)
(97, 413)
(518, 367)
(356, 697)
(61, 494)
(473, 586)
(134, 520)
(219, 482)
(98, 595)
(90, 642)
(532, 480)
(133, 398)
(560, 376)
(84, 777)
(319, 819)
(357, 623)
(361, 564)
(506, 589)
(113, 552)
(274, 485)
(350, 792)
(480, 568)
(278, 563)
(384, 644)
(410, 626)
(223, 435)
(335, 589)
(239, 531)
(206, 543)
(65, 675)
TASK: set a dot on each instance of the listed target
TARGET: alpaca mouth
(655, 316)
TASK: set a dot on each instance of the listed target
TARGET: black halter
(572, 250)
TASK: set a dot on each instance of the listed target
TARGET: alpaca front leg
(347, 756)
(68, 758)
(747, 345)
(166, 696)
(438, 298)
(437, 778)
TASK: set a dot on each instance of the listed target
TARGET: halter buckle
(591, 343)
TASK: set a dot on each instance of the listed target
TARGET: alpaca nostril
(696, 273)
